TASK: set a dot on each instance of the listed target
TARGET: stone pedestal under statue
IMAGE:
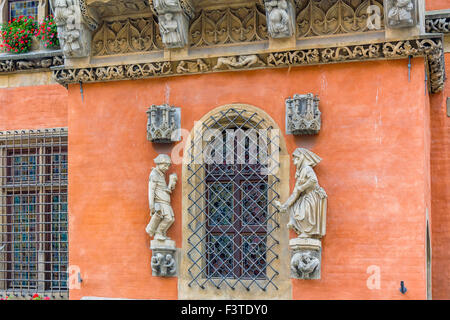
(163, 258)
(306, 258)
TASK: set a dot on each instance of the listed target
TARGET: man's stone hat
(162, 158)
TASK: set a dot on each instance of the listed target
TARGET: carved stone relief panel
(329, 17)
(228, 25)
(173, 22)
(280, 16)
(163, 123)
(128, 35)
(302, 114)
(401, 13)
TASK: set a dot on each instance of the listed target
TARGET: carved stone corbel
(174, 16)
(73, 32)
(280, 16)
(303, 115)
(163, 124)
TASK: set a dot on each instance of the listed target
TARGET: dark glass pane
(254, 256)
(220, 203)
(254, 203)
(220, 256)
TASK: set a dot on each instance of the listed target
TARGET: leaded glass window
(26, 8)
(33, 213)
(231, 210)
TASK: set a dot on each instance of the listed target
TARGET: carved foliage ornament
(229, 25)
(430, 48)
(438, 25)
(129, 35)
(317, 18)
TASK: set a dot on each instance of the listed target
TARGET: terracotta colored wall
(440, 178)
(436, 4)
(33, 107)
(372, 143)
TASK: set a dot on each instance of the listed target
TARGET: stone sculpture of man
(159, 192)
(400, 13)
(278, 18)
(169, 29)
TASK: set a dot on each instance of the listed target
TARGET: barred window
(231, 211)
(33, 212)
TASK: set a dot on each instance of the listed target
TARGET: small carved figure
(307, 205)
(304, 264)
(161, 212)
(189, 66)
(169, 267)
(23, 65)
(278, 18)
(165, 5)
(401, 12)
(238, 62)
(156, 263)
(169, 30)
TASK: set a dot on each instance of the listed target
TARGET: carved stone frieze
(113, 8)
(437, 22)
(125, 36)
(14, 65)
(303, 115)
(280, 16)
(329, 17)
(163, 123)
(430, 48)
(401, 13)
(228, 25)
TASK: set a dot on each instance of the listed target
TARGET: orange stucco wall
(33, 107)
(440, 178)
(437, 4)
(373, 141)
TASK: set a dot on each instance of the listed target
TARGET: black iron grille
(231, 202)
(33, 212)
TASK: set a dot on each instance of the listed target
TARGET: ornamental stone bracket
(163, 262)
(73, 32)
(303, 116)
(430, 47)
(437, 21)
(163, 124)
(173, 17)
(280, 16)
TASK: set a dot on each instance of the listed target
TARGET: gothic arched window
(232, 219)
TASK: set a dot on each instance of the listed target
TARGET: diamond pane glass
(23, 8)
(254, 261)
(220, 203)
(254, 203)
(220, 256)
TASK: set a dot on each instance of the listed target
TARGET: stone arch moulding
(281, 287)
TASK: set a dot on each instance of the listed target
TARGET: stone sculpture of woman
(307, 205)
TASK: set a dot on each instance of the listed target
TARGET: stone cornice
(437, 21)
(429, 47)
(33, 61)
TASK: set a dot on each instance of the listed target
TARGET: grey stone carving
(163, 261)
(73, 33)
(237, 62)
(161, 212)
(401, 13)
(307, 208)
(163, 123)
(173, 23)
(280, 18)
(29, 61)
(303, 115)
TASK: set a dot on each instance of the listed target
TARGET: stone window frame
(282, 288)
(44, 143)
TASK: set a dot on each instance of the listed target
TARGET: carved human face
(298, 161)
(163, 167)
